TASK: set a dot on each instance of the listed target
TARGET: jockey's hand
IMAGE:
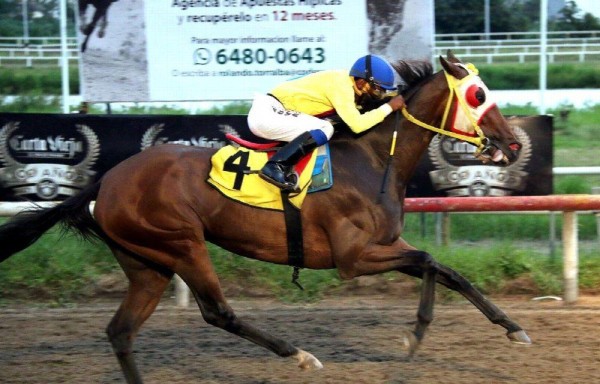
(397, 102)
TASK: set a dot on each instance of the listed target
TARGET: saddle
(235, 168)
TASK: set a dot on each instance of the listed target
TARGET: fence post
(596, 191)
(442, 228)
(570, 256)
(182, 293)
(552, 236)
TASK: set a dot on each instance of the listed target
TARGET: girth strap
(293, 230)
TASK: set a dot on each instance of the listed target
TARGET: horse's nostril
(514, 147)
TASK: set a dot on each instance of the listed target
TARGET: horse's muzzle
(498, 153)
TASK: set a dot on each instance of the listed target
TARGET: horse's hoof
(307, 361)
(411, 343)
(519, 337)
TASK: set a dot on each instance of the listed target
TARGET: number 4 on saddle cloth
(235, 168)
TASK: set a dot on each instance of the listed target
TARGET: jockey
(292, 111)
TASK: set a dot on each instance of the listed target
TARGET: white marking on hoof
(519, 337)
(307, 361)
(410, 342)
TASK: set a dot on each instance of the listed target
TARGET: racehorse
(156, 212)
(100, 14)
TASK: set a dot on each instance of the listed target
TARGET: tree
(589, 23)
(459, 16)
(43, 18)
(10, 18)
(467, 16)
(570, 21)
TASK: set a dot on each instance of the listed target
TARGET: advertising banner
(450, 169)
(236, 44)
(181, 50)
(52, 156)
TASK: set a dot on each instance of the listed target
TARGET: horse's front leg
(404, 258)
(103, 24)
(377, 259)
(453, 280)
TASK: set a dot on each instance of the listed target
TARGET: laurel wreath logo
(93, 146)
(437, 156)
(150, 135)
(5, 133)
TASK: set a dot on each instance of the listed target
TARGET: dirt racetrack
(357, 339)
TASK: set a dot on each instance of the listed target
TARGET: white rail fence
(563, 46)
(516, 35)
(20, 41)
(522, 53)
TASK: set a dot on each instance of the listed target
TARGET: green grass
(499, 76)
(32, 103)
(507, 76)
(55, 268)
(58, 269)
(42, 81)
(490, 250)
(493, 265)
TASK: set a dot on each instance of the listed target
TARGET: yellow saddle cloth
(234, 174)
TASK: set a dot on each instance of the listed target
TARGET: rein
(388, 165)
(481, 142)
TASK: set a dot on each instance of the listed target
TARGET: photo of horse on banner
(99, 18)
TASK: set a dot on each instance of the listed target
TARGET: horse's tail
(28, 226)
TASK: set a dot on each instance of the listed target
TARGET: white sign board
(192, 50)
(229, 49)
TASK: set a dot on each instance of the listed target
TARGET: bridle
(480, 140)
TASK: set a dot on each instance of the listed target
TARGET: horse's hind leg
(98, 13)
(82, 20)
(203, 282)
(146, 286)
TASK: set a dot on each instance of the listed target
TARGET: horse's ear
(451, 57)
(451, 68)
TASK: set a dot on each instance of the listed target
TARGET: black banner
(52, 156)
(450, 169)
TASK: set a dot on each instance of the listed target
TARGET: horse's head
(475, 114)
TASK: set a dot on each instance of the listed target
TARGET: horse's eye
(475, 96)
(480, 95)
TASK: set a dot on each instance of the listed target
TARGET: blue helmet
(374, 69)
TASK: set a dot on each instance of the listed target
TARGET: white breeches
(269, 119)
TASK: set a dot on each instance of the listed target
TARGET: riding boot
(279, 170)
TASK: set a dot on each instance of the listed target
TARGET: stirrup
(288, 185)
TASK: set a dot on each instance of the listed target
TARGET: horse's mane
(413, 71)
